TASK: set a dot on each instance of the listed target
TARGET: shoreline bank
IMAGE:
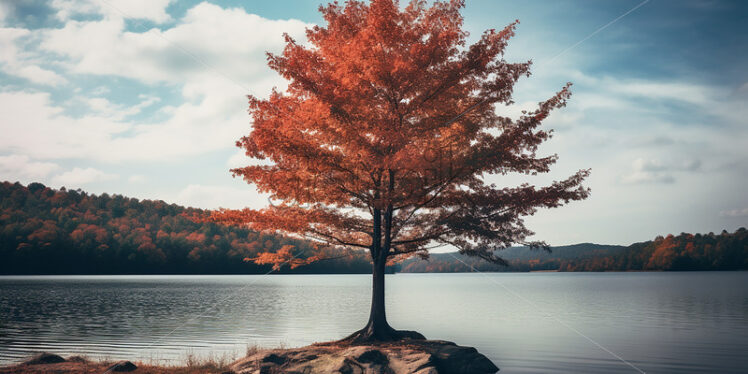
(410, 356)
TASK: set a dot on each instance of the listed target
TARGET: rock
(44, 358)
(451, 358)
(372, 356)
(275, 359)
(268, 368)
(349, 366)
(122, 366)
(403, 357)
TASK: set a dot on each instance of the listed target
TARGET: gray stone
(122, 366)
(44, 358)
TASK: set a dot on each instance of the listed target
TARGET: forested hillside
(724, 251)
(47, 231)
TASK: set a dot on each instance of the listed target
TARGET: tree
(385, 138)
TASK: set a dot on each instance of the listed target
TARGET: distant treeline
(519, 259)
(47, 231)
(724, 251)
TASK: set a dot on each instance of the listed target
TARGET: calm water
(526, 323)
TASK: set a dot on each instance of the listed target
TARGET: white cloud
(212, 115)
(657, 171)
(674, 91)
(80, 176)
(209, 40)
(238, 159)
(633, 96)
(16, 60)
(22, 168)
(33, 126)
(657, 165)
(656, 131)
(648, 177)
(152, 10)
(137, 178)
(213, 197)
(38, 75)
(102, 107)
(641, 164)
(734, 213)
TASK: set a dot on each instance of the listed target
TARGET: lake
(693, 322)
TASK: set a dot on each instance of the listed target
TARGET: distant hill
(48, 231)
(519, 259)
(724, 251)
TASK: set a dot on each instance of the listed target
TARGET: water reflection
(660, 322)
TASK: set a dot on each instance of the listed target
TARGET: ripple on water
(659, 322)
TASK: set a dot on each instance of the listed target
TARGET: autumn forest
(48, 231)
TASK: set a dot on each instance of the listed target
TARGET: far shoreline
(368, 274)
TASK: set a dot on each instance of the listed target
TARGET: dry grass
(78, 364)
(211, 362)
(253, 349)
(192, 363)
(100, 367)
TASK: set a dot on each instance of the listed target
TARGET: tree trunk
(377, 316)
(377, 329)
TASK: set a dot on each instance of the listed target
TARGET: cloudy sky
(146, 98)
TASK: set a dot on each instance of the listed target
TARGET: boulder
(452, 358)
(122, 366)
(44, 358)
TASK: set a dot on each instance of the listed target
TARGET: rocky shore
(402, 357)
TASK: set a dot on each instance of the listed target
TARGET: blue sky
(146, 98)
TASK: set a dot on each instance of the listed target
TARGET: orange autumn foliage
(283, 256)
(386, 135)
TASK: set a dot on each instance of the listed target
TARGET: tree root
(387, 334)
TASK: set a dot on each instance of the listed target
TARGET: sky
(145, 98)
